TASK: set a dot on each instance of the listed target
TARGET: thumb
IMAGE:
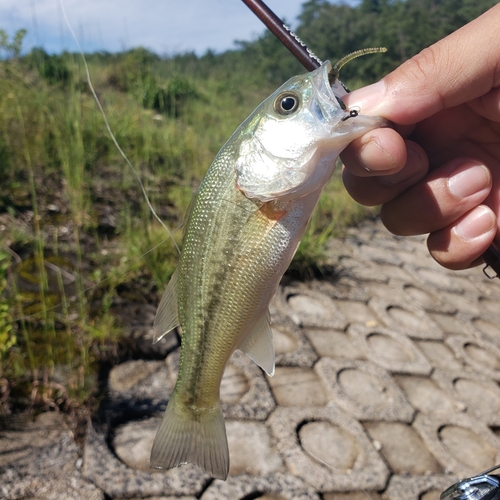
(459, 68)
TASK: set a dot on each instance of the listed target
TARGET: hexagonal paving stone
(310, 309)
(364, 271)
(466, 304)
(250, 449)
(132, 442)
(340, 288)
(274, 487)
(425, 396)
(402, 448)
(378, 255)
(439, 355)
(356, 312)
(391, 350)
(383, 291)
(140, 384)
(479, 354)
(353, 495)
(478, 394)
(487, 326)
(330, 450)
(117, 479)
(418, 488)
(450, 323)
(434, 277)
(490, 306)
(364, 390)
(334, 344)
(294, 386)
(291, 346)
(399, 315)
(462, 444)
(424, 297)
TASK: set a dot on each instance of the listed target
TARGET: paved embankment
(386, 384)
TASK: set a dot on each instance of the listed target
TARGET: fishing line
(129, 163)
(108, 127)
(334, 469)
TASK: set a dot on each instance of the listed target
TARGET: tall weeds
(77, 235)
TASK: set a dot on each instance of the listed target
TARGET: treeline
(331, 31)
(404, 27)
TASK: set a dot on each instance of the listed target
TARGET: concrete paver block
(291, 345)
(295, 386)
(419, 487)
(426, 396)
(337, 456)
(342, 288)
(439, 355)
(391, 350)
(479, 395)
(364, 390)
(363, 271)
(402, 316)
(481, 355)
(356, 312)
(117, 479)
(334, 344)
(140, 382)
(353, 495)
(424, 297)
(451, 324)
(434, 277)
(274, 487)
(251, 449)
(312, 309)
(487, 325)
(402, 448)
(462, 444)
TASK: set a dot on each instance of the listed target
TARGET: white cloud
(165, 26)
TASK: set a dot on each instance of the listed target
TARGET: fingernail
(366, 98)
(469, 179)
(478, 222)
(371, 148)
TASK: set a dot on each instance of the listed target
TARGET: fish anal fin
(167, 317)
(198, 438)
(259, 345)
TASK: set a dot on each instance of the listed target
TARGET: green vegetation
(78, 238)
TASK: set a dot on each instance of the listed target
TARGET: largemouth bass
(241, 232)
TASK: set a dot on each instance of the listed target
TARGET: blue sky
(164, 26)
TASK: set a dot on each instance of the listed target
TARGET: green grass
(77, 234)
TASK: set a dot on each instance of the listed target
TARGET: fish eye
(286, 103)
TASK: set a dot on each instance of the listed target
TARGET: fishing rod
(310, 62)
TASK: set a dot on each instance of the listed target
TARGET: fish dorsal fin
(167, 317)
(259, 345)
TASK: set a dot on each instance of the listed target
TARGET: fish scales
(241, 232)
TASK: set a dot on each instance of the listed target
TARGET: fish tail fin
(184, 437)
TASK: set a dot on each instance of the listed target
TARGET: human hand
(438, 170)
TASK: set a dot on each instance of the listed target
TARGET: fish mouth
(329, 97)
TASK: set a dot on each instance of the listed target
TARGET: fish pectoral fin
(167, 317)
(199, 439)
(259, 345)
